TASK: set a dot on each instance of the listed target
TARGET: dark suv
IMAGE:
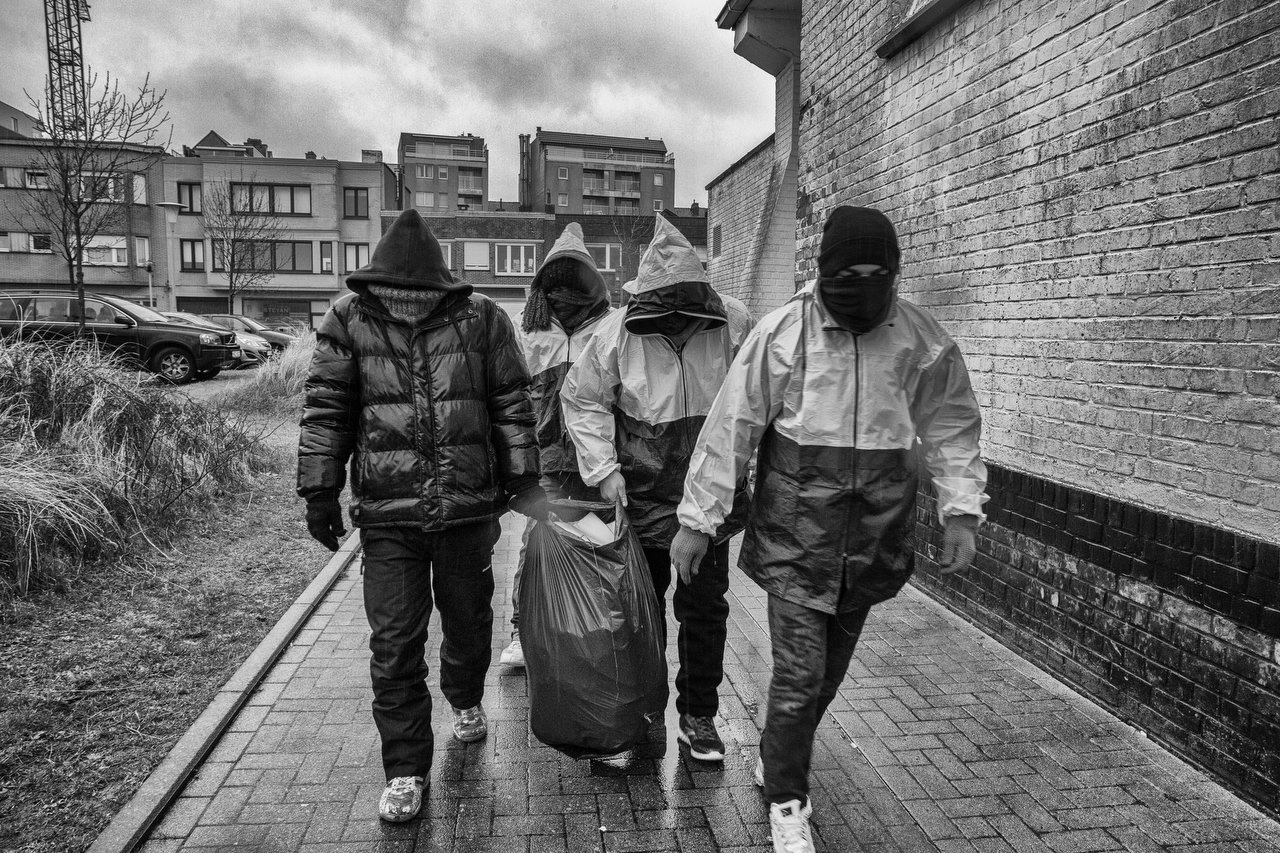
(142, 337)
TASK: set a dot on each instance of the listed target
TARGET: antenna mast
(67, 96)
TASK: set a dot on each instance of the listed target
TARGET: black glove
(324, 519)
(532, 501)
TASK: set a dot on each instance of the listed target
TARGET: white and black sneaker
(402, 799)
(700, 734)
(789, 825)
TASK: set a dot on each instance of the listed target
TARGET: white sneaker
(402, 799)
(759, 774)
(470, 724)
(789, 824)
(512, 655)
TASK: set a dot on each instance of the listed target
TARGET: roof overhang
(766, 33)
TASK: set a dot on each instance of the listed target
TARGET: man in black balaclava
(834, 388)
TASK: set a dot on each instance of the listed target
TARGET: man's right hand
(614, 488)
(324, 520)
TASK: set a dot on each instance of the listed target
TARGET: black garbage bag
(589, 625)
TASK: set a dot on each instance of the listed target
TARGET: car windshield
(139, 312)
(254, 324)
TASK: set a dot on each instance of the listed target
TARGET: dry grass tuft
(276, 386)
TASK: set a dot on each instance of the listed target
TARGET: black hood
(408, 256)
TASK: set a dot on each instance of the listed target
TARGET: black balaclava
(857, 235)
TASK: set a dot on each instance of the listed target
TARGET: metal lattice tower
(67, 95)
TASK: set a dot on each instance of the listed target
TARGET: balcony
(594, 185)
(470, 187)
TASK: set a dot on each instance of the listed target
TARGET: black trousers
(811, 654)
(702, 610)
(406, 573)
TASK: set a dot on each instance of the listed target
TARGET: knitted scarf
(408, 304)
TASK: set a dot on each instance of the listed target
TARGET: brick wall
(734, 204)
(1086, 197)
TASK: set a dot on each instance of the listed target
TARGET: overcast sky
(336, 76)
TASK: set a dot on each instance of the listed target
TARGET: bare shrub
(276, 386)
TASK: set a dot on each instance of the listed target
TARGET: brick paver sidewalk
(940, 740)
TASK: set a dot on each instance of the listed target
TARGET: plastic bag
(593, 647)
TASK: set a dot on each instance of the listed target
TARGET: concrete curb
(132, 823)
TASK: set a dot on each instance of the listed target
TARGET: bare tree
(634, 231)
(243, 234)
(82, 178)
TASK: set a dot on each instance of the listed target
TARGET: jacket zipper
(853, 461)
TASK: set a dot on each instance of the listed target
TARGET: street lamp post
(170, 209)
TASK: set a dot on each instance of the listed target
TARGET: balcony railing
(470, 187)
(594, 185)
(627, 186)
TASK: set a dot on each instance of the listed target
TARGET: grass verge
(100, 676)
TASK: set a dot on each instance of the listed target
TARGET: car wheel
(208, 374)
(173, 365)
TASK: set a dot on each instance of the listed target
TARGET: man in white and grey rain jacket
(633, 404)
(845, 390)
(567, 301)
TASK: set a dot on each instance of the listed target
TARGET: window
(515, 259)
(657, 179)
(142, 250)
(475, 256)
(37, 180)
(715, 241)
(292, 199)
(424, 199)
(356, 256)
(192, 254)
(41, 243)
(442, 172)
(425, 172)
(657, 204)
(607, 256)
(563, 173)
(326, 256)
(107, 252)
(12, 176)
(139, 189)
(293, 256)
(14, 241)
(355, 203)
(51, 309)
(447, 250)
(248, 255)
(189, 198)
(562, 200)
(100, 187)
(95, 312)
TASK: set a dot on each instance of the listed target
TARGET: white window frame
(657, 179)
(442, 173)
(446, 249)
(563, 173)
(471, 252)
(116, 251)
(111, 181)
(139, 188)
(37, 179)
(421, 197)
(562, 199)
(612, 256)
(31, 238)
(525, 256)
(361, 253)
(658, 205)
(426, 171)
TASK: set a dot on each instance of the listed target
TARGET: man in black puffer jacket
(421, 384)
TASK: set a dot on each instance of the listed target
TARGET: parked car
(241, 323)
(251, 350)
(141, 337)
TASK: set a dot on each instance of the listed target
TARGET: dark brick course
(1170, 622)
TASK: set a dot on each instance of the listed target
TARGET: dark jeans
(403, 567)
(702, 610)
(811, 654)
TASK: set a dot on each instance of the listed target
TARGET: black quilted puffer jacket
(434, 416)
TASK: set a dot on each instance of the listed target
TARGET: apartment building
(443, 173)
(591, 175)
(116, 260)
(329, 215)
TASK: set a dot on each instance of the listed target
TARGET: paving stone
(938, 740)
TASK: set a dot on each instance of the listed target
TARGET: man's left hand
(687, 551)
(959, 543)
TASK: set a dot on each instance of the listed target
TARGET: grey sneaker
(402, 799)
(470, 724)
(513, 655)
(789, 825)
(758, 776)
